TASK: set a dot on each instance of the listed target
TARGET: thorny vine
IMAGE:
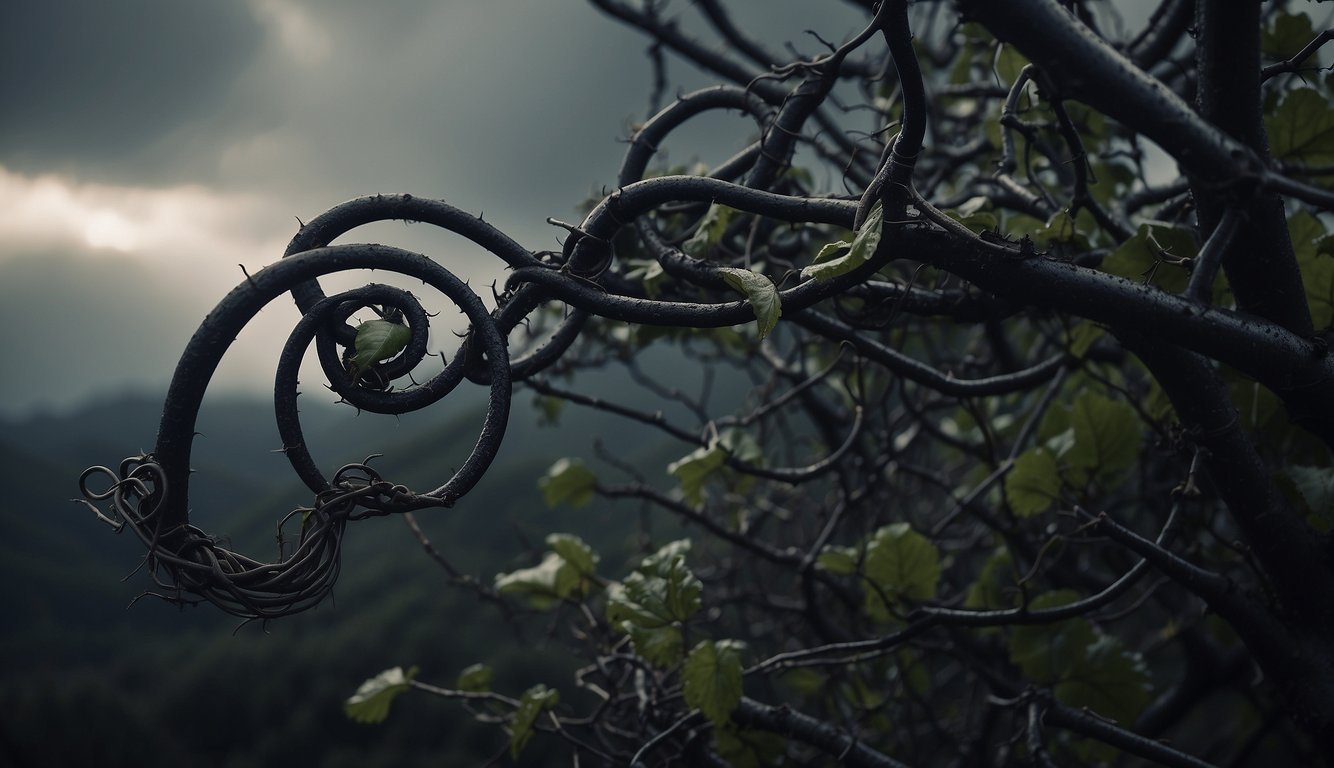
(991, 321)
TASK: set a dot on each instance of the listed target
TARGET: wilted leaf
(370, 704)
(762, 294)
(568, 481)
(711, 679)
(862, 247)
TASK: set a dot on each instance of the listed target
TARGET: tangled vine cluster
(944, 450)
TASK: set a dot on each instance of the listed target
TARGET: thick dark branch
(1259, 261)
(832, 740)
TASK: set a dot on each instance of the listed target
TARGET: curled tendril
(149, 494)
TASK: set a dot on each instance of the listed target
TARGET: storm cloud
(150, 146)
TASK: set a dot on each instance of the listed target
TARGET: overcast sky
(148, 147)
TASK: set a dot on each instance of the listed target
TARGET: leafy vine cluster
(992, 479)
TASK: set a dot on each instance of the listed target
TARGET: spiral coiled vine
(1016, 316)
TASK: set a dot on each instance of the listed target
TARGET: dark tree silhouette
(1034, 465)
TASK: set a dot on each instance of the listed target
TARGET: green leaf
(1083, 336)
(1286, 34)
(1156, 253)
(475, 678)
(712, 227)
(370, 704)
(650, 274)
(662, 591)
(994, 588)
(531, 705)
(694, 468)
(837, 559)
(711, 679)
(862, 247)
(1060, 229)
(1034, 483)
(901, 564)
(971, 215)
(544, 585)
(652, 603)
(745, 748)
(762, 294)
(741, 444)
(1009, 62)
(1107, 435)
(568, 481)
(549, 409)
(1085, 669)
(662, 646)
(1110, 680)
(1313, 249)
(575, 552)
(377, 340)
(1315, 485)
(1047, 652)
(1301, 129)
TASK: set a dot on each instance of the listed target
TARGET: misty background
(150, 150)
(148, 147)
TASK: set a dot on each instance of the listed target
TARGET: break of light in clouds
(151, 146)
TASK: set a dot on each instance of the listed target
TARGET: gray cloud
(75, 326)
(511, 107)
(104, 89)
